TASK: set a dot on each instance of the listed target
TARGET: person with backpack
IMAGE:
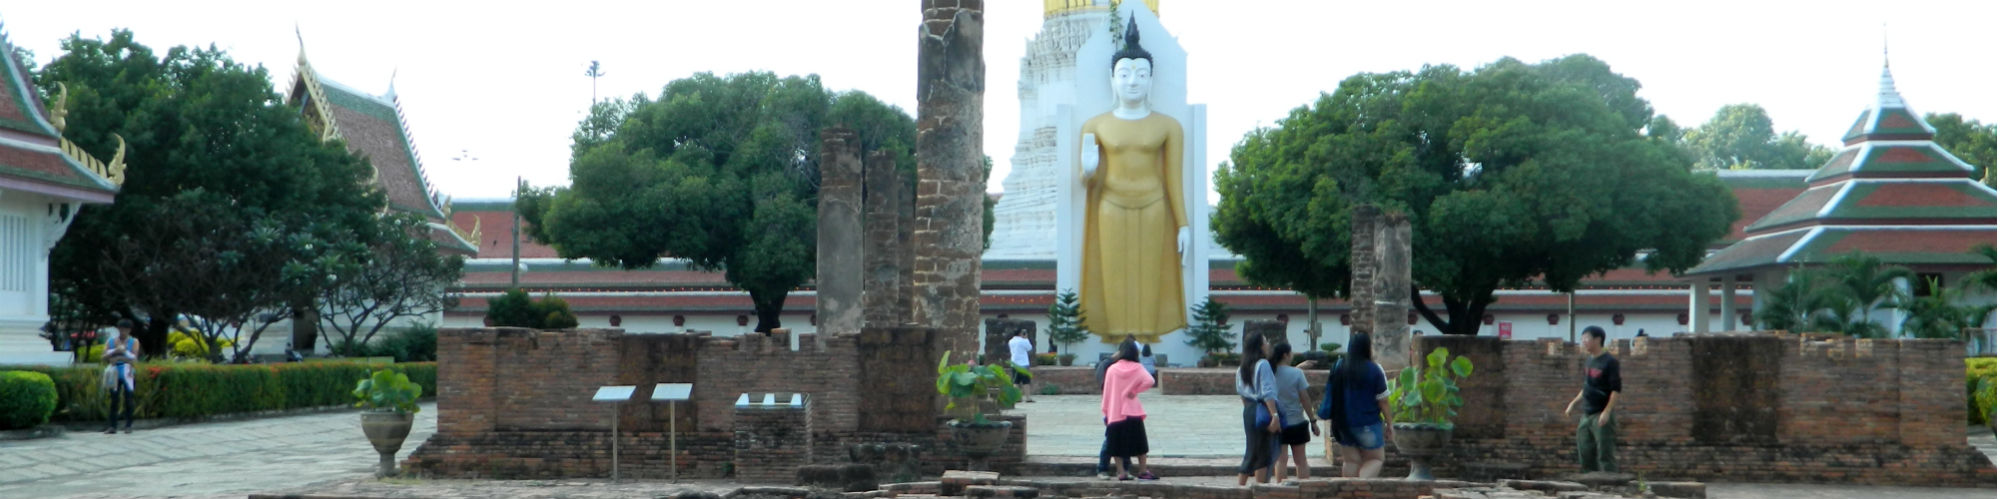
(1357, 404)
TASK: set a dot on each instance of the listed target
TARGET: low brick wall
(514, 403)
(1750, 407)
(1220, 381)
(1076, 380)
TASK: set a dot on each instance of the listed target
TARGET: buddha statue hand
(1089, 159)
(1181, 241)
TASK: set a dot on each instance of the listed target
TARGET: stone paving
(1176, 426)
(227, 459)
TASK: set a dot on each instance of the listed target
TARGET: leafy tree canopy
(1510, 174)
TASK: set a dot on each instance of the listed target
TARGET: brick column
(951, 74)
(839, 283)
(906, 254)
(1000, 331)
(771, 441)
(1361, 262)
(882, 257)
(465, 381)
(1392, 291)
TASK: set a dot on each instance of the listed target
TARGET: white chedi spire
(1887, 97)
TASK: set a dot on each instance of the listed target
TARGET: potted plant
(1425, 401)
(968, 387)
(390, 400)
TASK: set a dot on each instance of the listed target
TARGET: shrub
(414, 344)
(26, 399)
(192, 346)
(1979, 369)
(1045, 359)
(179, 390)
(514, 309)
(554, 312)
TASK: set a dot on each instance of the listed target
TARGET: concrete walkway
(228, 459)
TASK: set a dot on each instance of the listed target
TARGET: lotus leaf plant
(1428, 395)
(388, 390)
(966, 385)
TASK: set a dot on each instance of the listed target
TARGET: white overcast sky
(505, 82)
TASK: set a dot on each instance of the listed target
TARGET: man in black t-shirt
(1597, 433)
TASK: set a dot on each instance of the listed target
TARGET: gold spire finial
(302, 42)
(116, 170)
(59, 112)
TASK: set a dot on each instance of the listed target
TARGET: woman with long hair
(1257, 384)
(1357, 404)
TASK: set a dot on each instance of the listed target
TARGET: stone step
(1172, 466)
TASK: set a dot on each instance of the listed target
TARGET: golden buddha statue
(1135, 238)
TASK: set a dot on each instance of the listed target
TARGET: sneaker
(1125, 478)
(1103, 475)
(110, 431)
(128, 430)
(1148, 475)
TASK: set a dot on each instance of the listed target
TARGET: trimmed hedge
(26, 399)
(1976, 410)
(187, 391)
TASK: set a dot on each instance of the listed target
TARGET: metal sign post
(614, 395)
(671, 393)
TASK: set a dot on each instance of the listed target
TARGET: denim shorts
(1367, 437)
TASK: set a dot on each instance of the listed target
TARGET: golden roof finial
(59, 112)
(302, 42)
(116, 170)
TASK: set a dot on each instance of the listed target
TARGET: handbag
(1264, 416)
(109, 380)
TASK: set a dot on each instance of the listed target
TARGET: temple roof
(33, 155)
(373, 127)
(1892, 193)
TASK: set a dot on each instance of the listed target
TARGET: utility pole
(519, 186)
(594, 73)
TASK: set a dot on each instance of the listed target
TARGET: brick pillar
(951, 75)
(1392, 291)
(465, 381)
(839, 283)
(1361, 262)
(1272, 331)
(906, 250)
(881, 258)
(772, 441)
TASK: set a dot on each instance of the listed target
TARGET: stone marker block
(955, 481)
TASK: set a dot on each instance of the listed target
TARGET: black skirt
(1126, 438)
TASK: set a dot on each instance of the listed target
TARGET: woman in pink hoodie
(1125, 419)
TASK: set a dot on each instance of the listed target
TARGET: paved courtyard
(226, 459)
(1176, 426)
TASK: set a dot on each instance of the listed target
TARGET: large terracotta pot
(978, 440)
(1422, 442)
(386, 431)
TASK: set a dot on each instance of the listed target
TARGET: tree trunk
(153, 339)
(769, 305)
(1462, 317)
(305, 326)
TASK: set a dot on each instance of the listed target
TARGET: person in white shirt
(1022, 348)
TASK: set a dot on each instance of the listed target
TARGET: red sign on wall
(1506, 330)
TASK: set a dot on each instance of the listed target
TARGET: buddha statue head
(1131, 69)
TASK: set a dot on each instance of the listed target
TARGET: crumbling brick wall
(514, 403)
(1762, 407)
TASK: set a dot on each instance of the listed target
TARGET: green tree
(1982, 279)
(1791, 307)
(1970, 140)
(203, 131)
(1938, 314)
(1870, 284)
(1740, 137)
(1066, 321)
(722, 171)
(1210, 330)
(403, 276)
(1509, 174)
